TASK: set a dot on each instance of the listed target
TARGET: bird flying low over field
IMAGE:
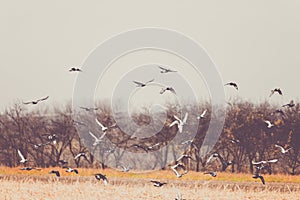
(255, 176)
(290, 104)
(175, 167)
(140, 84)
(30, 168)
(264, 162)
(101, 177)
(79, 155)
(213, 174)
(55, 172)
(69, 169)
(164, 70)
(157, 183)
(88, 109)
(36, 101)
(233, 84)
(278, 90)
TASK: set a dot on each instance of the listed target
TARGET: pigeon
(260, 177)
(88, 109)
(283, 150)
(270, 125)
(36, 101)
(139, 84)
(55, 172)
(69, 169)
(164, 70)
(290, 105)
(23, 159)
(79, 155)
(157, 183)
(101, 176)
(74, 69)
(97, 140)
(233, 85)
(202, 114)
(213, 174)
(167, 88)
(278, 90)
(178, 165)
(180, 123)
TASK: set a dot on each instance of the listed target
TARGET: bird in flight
(101, 176)
(233, 84)
(213, 174)
(29, 168)
(234, 141)
(157, 183)
(63, 162)
(180, 123)
(278, 90)
(75, 69)
(103, 128)
(55, 172)
(175, 167)
(23, 159)
(34, 102)
(202, 114)
(164, 70)
(264, 162)
(51, 137)
(69, 169)
(40, 145)
(290, 104)
(269, 124)
(88, 109)
(283, 150)
(79, 155)
(214, 155)
(97, 140)
(167, 88)
(140, 84)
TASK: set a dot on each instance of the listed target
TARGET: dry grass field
(38, 185)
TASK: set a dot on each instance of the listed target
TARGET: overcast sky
(255, 43)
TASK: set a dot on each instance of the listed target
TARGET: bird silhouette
(233, 84)
(164, 70)
(34, 102)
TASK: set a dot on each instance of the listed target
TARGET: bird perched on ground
(74, 69)
(36, 101)
(103, 177)
(69, 169)
(213, 174)
(140, 84)
(283, 150)
(167, 88)
(175, 167)
(269, 124)
(278, 90)
(233, 84)
(202, 114)
(97, 140)
(157, 183)
(23, 159)
(180, 123)
(164, 70)
(55, 172)
(290, 104)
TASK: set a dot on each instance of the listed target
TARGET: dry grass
(38, 185)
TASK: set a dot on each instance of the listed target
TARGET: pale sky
(254, 43)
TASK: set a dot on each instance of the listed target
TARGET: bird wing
(173, 90)
(180, 127)
(209, 159)
(77, 156)
(102, 136)
(262, 179)
(268, 122)
(185, 117)
(21, 155)
(93, 135)
(149, 81)
(162, 68)
(29, 102)
(162, 90)
(281, 148)
(272, 92)
(272, 161)
(43, 99)
(173, 123)
(100, 124)
(138, 83)
(177, 118)
(203, 113)
(257, 163)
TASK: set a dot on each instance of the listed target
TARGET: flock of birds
(178, 166)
